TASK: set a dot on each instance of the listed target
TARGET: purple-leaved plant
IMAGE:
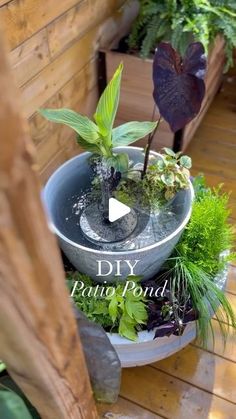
(179, 86)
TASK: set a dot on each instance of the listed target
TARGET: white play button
(117, 210)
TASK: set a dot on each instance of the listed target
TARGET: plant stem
(147, 152)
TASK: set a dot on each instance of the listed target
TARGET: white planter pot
(146, 350)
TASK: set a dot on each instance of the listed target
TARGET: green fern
(183, 21)
(150, 39)
(209, 221)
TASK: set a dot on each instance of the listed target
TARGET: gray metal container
(76, 175)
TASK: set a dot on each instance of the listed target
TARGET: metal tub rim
(54, 228)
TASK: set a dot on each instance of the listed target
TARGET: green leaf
(186, 162)
(12, 406)
(108, 103)
(86, 128)
(130, 132)
(120, 162)
(178, 154)
(100, 307)
(169, 152)
(113, 308)
(161, 165)
(136, 310)
(10, 385)
(168, 178)
(127, 327)
(93, 148)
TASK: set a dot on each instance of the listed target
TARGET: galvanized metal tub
(76, 174)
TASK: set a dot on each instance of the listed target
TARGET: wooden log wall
(53, 49)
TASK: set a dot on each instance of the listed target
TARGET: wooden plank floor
(194, 383)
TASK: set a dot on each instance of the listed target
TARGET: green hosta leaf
(186, 162)
(120, 162)
(127, 327)
(130, 132)
(168, 178)
(86, 128)
(108, 103)
(12, 406)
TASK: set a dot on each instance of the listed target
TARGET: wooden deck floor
(194, 383)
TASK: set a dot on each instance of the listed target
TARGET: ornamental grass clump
(206, 298)
(201, 254)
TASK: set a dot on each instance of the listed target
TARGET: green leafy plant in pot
(178, 92)
(158, 182)
(99, 135)
(198, 259)
(195, 276)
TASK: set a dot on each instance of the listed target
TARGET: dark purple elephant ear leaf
(178, 83)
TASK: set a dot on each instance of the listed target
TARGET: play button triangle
(117, 210)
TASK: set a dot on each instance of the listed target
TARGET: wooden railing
(38, 335)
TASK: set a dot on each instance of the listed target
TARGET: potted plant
(212, 23)
(149, 303)
(149, 320)
(77, 194)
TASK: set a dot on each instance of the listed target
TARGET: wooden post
(38, 335)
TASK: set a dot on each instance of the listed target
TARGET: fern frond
(181, 20)
(149, 41)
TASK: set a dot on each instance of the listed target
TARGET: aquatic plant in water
(99, 135)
